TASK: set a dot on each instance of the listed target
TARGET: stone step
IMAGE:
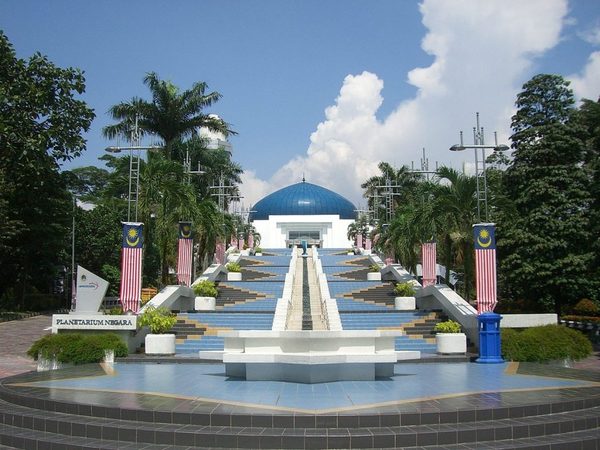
(81, 426)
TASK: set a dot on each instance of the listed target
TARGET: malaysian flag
(220, 252)
(368, 244)
(250, 240)
(485, 266)
(131, 266)
(184, 258)
(359, 240)
(428, 251)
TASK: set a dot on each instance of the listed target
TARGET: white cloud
(587, 85)
(483, 53)
(592, 35)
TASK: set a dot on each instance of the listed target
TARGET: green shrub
(160, 320)
(404, 289)
(374, 268)
(116, 311)
(586, 307)
(547, 343)
(257, 250)
(77, 348)
(449, 326)
(205, 288)
(233, 267)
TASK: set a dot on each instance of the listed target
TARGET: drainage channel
(306, 316)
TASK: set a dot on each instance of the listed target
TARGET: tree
(171, 115)
(544, 247)
(41, 125)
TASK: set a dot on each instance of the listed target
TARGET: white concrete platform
(310, 356)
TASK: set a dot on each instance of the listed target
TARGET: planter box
(451, 343)
(44, 365)
(258, 254)
(405, 303)
(205, 303)
(374, 276)
(234, 276)
(160, 344)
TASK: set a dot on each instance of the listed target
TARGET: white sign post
(91, 289)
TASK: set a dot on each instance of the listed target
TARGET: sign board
(93, 322)
(91, 289)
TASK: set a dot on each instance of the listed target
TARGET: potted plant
(234, 271)
(449, 339)
(350, 251)
(374, 273)
(206, 296)
(160, 321)
(405, 297)
(257, 251)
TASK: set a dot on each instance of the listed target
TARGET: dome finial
(303, 179)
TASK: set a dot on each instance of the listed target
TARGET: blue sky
(326, 88)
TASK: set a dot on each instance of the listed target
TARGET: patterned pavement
(16, 337)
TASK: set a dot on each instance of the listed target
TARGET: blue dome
(303, 199)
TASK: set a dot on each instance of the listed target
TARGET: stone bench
(310, 356)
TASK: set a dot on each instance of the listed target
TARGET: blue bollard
(490, 350)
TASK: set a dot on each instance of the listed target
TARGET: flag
(220, 252)
(241, 243)
(184, 257)
(250, 240)
(428, 253)
(484, 237)
(131, 266)
(359, 240)
(368, 244)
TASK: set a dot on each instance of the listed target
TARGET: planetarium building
(303, 211)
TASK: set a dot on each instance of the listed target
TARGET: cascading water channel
(306, 315)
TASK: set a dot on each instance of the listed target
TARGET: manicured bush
(233, 267)
(449, 326)
(159, 320)
(586, 307)
(205, 288)
(257, 250)
(77, 348)
(547, 343)
(374, 268)
(404, 289)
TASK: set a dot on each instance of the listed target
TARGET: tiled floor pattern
(412, 382)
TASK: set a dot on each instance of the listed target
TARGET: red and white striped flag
(184, 257)
(250, 240)
(220, 252)
(485, 266)
(368, 244)
(429, 264)
(359, 240)
(131, 266)
(241, 244)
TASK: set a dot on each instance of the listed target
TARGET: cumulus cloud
(587, 84)
(483, 52)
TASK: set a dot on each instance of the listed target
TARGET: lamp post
(480, 168)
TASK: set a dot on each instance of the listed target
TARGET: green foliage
(374, 268)
(205, 288)
(77, 348)
(547, 343)
(257, 250)
(545, 238)
(41, 125)
(586, 307)
(116, 311)
(448, 326)
(159, 320)
(233, 267)
(404, 289)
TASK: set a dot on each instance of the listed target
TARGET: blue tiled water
(411, 382)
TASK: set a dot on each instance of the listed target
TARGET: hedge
(77, 348)
(542, 344)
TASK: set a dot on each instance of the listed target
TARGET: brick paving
(16, 336)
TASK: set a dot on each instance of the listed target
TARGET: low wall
(527, 320)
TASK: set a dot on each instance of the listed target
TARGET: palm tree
(171, 115)
(393, 185)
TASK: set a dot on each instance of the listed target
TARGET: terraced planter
(205, 303)
(234, 276)
(374, 276)
(451, 343)
(160, 344)
(405, 303)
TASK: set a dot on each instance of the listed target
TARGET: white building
(303, 211)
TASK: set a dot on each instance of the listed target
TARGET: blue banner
(484, 236)
(132, 235)
(185, 230)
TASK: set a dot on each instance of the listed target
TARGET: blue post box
(490, 350)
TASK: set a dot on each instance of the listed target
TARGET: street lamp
(480, 169)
